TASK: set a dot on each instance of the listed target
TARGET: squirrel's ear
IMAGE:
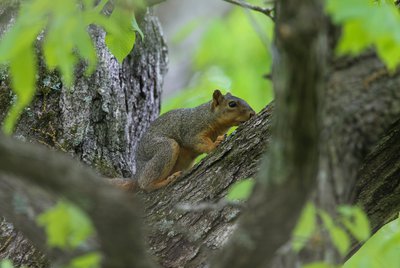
(217, 98)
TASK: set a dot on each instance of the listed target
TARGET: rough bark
(289, 172)
(15, 246)
(101, 117)
(188, 237)
(181, 236)
(115, 214)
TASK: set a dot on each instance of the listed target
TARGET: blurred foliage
(240, 190)
(305, 227)
(381, 250)
(232, 57)
(364, 24)
(91, 260)
(6, 264)
(339, 237)
(63, 26)
(350, 220)
(318, 265)
(67, 227)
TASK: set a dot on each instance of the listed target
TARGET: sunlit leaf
(218, 65)
(85, 47)
(381, 250)
(23, 78)
(91, 260)
(6, 264)
(121, 42)
(21, 36)
(338, 236)
(340, 239)
(60, 54)
(367, 24)
(305, 227)
(99, 7)
(356, 221)
(318, 265)
(136, 27)
(66, 226)
(241, 190)
(88, 3)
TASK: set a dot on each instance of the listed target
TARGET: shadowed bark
(101, 117)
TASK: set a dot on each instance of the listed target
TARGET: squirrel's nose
(252, 113)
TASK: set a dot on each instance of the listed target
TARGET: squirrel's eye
(232, 104)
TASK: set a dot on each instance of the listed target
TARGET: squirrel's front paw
(173, 177)
(219, 140)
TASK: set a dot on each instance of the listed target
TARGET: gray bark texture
(97, 121)
(189, 222)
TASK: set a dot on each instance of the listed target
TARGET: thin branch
(264, 10)
(208, 206)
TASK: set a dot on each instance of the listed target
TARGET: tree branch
(266, 11)
(290, 170)
(114, 214)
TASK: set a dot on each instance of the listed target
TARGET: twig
(264, 10)
(206, 206)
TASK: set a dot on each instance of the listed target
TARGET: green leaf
(88, 4)
(85, 47)
(339, 237)
(6, 264)
(20, 37)
(318, 265)
(23, 78)
(136, 27)
(365, 25)
(381, 250)
(241, 190)
(100, 6)
(60, 54)
(305, 227)
(121, 42)
(66, 226)
(356, 221)
(217, 65)
(91, 260)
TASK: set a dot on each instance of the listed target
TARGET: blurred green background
(232, 55)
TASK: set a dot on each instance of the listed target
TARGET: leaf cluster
(68, 228)
(366, 24)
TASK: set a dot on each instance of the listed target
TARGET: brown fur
(175, 139)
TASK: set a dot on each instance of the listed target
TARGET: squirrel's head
(230, 110)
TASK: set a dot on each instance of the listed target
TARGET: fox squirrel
(176, 138)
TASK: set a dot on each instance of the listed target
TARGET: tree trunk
(98, 120)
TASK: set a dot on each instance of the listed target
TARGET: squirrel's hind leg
(156, 172)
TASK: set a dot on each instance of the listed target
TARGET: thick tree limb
(290, 170)
(188, 238)
(115, 214)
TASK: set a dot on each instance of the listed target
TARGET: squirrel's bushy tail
(128, 185)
